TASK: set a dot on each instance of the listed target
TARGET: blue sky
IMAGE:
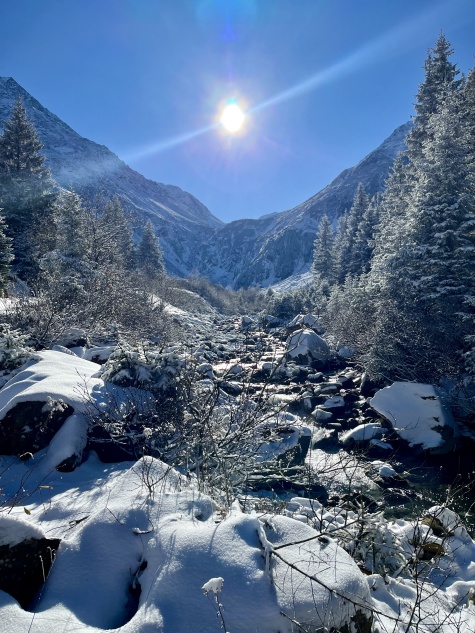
(324, 82)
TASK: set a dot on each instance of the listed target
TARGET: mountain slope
(238, 254)
(181, 221)
(274, 247)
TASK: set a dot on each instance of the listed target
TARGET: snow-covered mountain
(239, 254)
(277, 246)
(180, 219)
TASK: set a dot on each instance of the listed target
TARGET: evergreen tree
(348, 258)
(6, 257)
(26, 193)
(149, 255)
(363, 243)
(323, 267)
(339, 246)
(72, 226)
(439, 82)
(118, 238)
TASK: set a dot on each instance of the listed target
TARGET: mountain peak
(181, 221)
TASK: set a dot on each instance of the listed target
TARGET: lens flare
(232, 117)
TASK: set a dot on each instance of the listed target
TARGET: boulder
(305, 347)
(26, 556)
(306, 321)
(30, 426)
(418, 415)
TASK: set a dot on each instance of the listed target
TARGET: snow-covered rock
(418, 415)
(48, 398)
(363, 433)
(26, 556)
(305, 321)
(306, 566)
(306, 347)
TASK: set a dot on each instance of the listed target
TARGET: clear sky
(323, 82)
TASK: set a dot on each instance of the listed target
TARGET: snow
(54, 375)
(363, 433)
(415, 411)
(308, 344)
(14, 530)
(383, 469)
(214, 584)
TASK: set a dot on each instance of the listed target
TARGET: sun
(232, 117)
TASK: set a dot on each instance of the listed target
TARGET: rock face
(278, 246)
(181, 221)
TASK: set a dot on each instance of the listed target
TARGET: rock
(418, 415)
(25, 559)
(335, 403)
(247, 323)
(30, 426)
(319, 606)
(368, 386)
(306, 321)
(108, 450)
(363, 433)
(305, 347)
(321, 415)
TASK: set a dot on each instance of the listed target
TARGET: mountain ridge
(89, 168)
(242, 253)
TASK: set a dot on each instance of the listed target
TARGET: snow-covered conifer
(26, 192)
(323, 267)
(149, 254)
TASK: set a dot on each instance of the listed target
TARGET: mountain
(181, 221)
(277, 246)
(239, 254)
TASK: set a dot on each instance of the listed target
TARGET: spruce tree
(323, 267)
(347, 258)
(118, 238)
(6, 257)
(439, 82)
(72, 226)
(26, 193)
(149, 255)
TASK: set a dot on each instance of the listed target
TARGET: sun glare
(232, 118)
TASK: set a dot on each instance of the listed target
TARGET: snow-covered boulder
(307, 348)
(418, 415)
(306, 321)
(45, 403)
(26, 555)
(363, 433)
(316, 582)
(247, 323)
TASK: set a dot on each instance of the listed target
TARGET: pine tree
(72, 222)
(348, 260)
(439, 82)
(6, 257)
(323, 267)
(149, 255)
(26, 193)
(118, 236)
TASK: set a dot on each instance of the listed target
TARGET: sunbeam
(388, 45)
(168, 143)
(382, 48)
